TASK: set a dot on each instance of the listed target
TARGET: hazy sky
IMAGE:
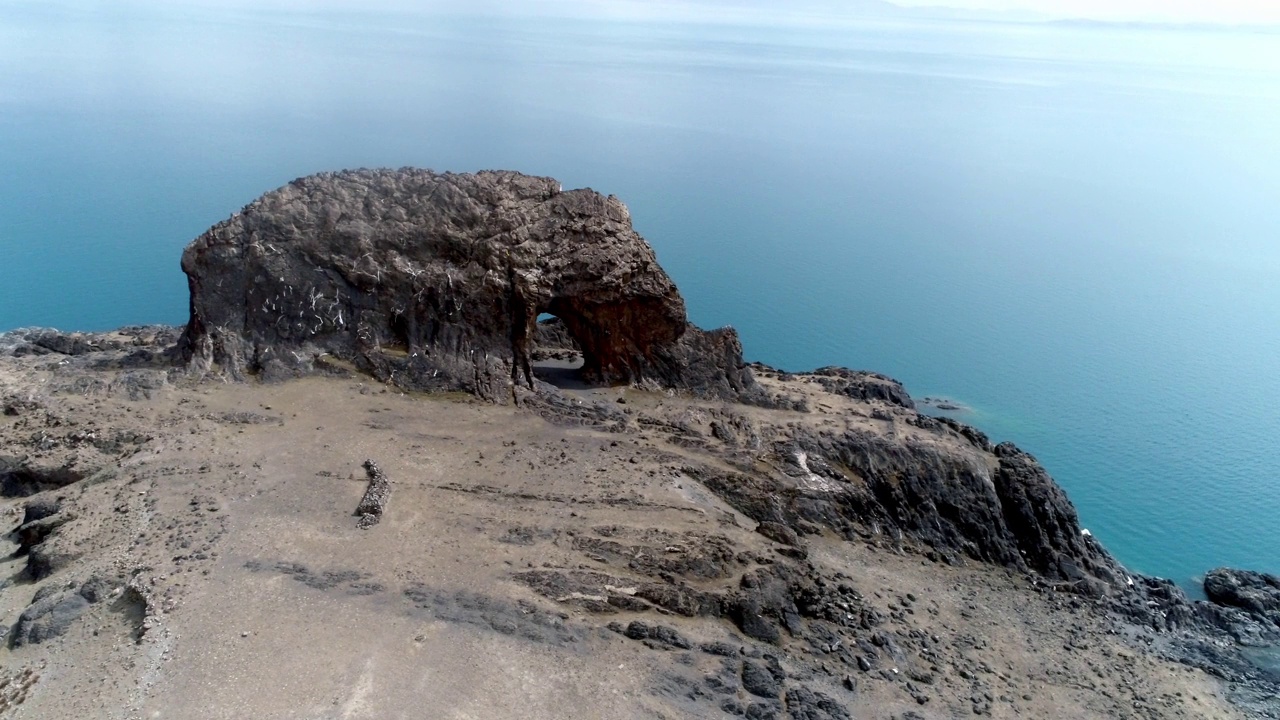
(1211, 11)
(1223, 11)
(1176, 11)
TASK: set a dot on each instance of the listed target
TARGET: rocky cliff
(744, 541)
(436, 281)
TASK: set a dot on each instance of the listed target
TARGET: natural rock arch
(437, 280)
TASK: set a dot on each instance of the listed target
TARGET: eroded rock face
(436, 281)
(995, 504)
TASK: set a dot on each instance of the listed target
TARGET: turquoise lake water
(1075, 231)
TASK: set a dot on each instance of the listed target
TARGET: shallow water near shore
(1071, 231)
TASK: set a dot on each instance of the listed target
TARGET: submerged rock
(436, 281)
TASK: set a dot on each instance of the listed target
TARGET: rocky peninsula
(373, 477)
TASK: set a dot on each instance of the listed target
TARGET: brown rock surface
(436, 281)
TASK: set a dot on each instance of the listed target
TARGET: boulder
(759, 681)
(48, 617)
(779, 533)
(40, 508)
(35, 532)
(54, 609)
(52, 554)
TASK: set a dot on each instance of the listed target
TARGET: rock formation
(436, 281)
(946, 486)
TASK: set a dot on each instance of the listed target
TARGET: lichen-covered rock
(436, 281)
(374, 502)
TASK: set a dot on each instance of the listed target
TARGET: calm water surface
(1072, 230)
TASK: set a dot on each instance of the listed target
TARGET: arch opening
(557, 356)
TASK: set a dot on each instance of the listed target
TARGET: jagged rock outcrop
(862, 385)
(995, 504)
(1254, 592)
(436, 281)
(1246, 606)
(1043, 523)
(132, 346)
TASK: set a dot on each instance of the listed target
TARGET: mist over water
(1073, 230)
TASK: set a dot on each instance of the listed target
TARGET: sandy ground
(254, 594)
